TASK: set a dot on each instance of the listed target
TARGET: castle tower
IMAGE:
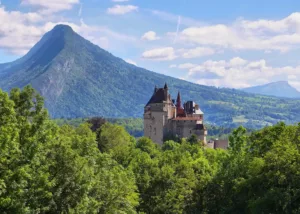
(157, 113)
(179, 109)
(178, 101)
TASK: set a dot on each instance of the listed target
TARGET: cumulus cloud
(150, 36)
(160, 54)
(182, 53)
(237, 61)
(240, 73)
(52, 6)
(21, 31)
(173, 66)
(266, 35)
(196, 52)
(131, 62)
(122, 9)
(187, 66)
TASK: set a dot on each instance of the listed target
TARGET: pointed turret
(166, 86)
(178, 101)
(166, 91)
(179, 109)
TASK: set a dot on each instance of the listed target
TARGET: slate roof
(159, 96)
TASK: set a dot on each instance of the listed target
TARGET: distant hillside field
(79, 79)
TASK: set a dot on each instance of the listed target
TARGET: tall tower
(179, 109)
(157, 112)
(178, 101)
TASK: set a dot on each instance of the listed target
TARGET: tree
(96, 123)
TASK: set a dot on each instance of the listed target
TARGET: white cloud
(131, 62)
(21, 31)
(292, 77)
(150, 36)
(120, 0)
(196, 52)
(122, 9)
(170, 53)
(187, 66)
(295, 84)
(51, 6)
(290, 23)
(237, 61)
(240, 73)
(160, 54)
(173, 66)
(266, 35)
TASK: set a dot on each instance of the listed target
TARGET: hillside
(79, 79)
(278, 89)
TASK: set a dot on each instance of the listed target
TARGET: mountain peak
(62, 27)
(62, 31)
(278, 89)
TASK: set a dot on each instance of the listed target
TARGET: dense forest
(100, 168)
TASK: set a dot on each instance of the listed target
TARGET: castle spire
(155, 89)
(178, 101)
(166, 86)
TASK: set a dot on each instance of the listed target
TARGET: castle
(163, 117)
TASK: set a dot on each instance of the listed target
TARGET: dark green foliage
(134, 126)
(260, 173)
(193, 140)
(47, 169)
(96, 123)
(79, 80)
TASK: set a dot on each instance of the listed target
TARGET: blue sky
(222, 43)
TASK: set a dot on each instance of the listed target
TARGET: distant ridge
(278, 89)
(80, 79)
